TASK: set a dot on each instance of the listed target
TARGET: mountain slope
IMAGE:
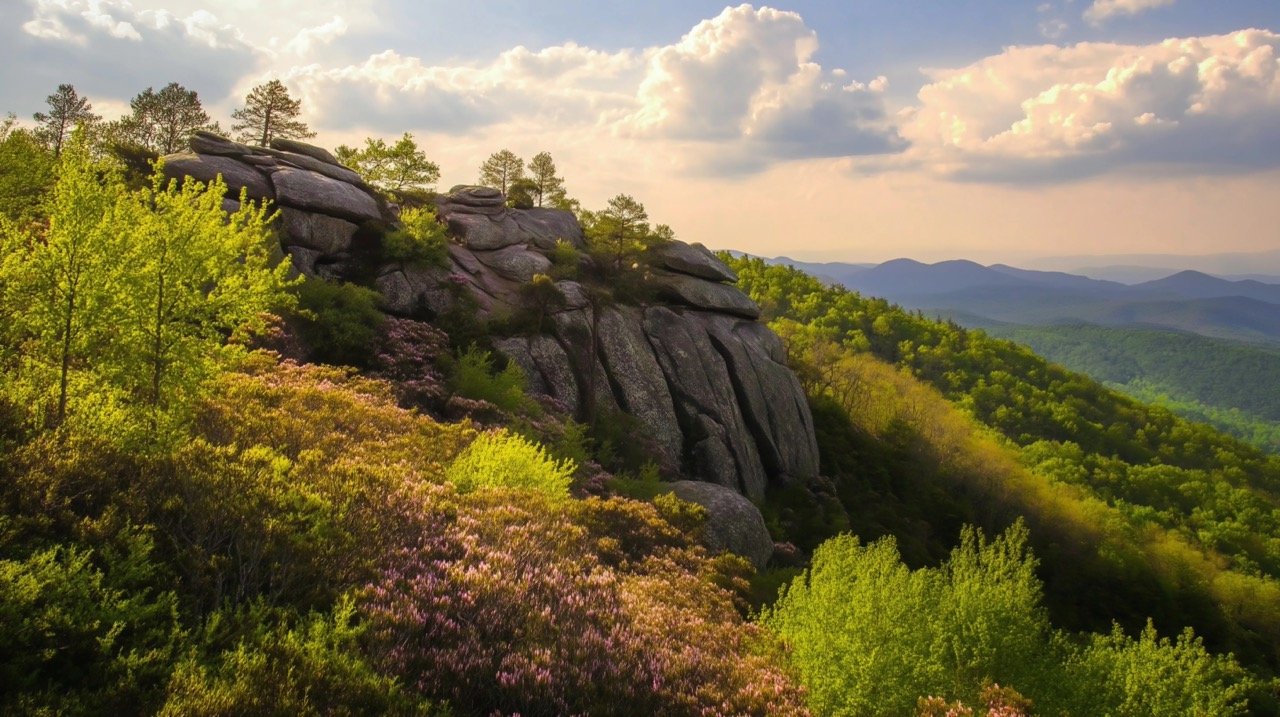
(1134, 511)
(1228, 383)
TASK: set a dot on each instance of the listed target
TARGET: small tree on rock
(620, 233)
(392, 168)
(162, 121)
(501, 169)
(269, 112)
(548, 189)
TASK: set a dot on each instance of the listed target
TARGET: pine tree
(391, 168)
(501, 169)
(269, 113)
(548, 189)
(67, 110)
(162, 121)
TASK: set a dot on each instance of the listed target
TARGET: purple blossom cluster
(507, 606)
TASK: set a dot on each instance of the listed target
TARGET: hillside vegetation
(1210, 380)
(1133, 511)
(198, 516)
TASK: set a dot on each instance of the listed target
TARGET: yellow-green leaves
(505, 460)
(130, 296)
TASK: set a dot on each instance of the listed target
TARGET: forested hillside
(1225, 383)
(1133, 511)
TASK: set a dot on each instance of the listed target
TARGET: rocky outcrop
(322, 203)
(706, 385)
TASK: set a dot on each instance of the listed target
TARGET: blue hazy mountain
(979, 296)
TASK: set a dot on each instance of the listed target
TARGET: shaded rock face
(706, 384)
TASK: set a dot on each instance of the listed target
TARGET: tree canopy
(391, 167)
(67, 110)
(620, 233)
(162, 121)
(269, 113)
(126, 298)
(547, 188)
(501, 170)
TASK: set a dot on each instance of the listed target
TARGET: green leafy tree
(132, 295)
(58, 284)
(194, 276)
(67, 110)
(391, 168)
(548, 189)
(521, 194)
(26, 173)
(269, 112)
(162, 121)
(501, 169)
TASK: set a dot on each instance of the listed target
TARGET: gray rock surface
(311, 164)
(516, 262)
(314, 192)
(310, 150)
(203, 142)
(325, 234)
(638, 382)
(702, 294)
(543, 227)
(709, 411)
(734, 524)
(694, 260)
(475, 196)
(206, 168)
(773, 402)
(481, 232)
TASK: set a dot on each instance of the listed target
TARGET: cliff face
(706, 382)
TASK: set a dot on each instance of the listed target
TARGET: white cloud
(1102, 10)
(311, 38)
(1209, 103)
(747, 76)
(735, 94)
(391, 92)
(111, 49)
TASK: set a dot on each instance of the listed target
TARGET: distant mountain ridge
(978, 296)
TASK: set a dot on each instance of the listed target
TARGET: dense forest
(230, 490)
(1208, 380)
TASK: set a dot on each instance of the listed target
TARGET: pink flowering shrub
(999, 701)
(508, 608)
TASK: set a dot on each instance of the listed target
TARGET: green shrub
(499, 459)
(473, 376)
(421, 239)
(80, 639)
(283, 665)
(1151, 675)
(565, 260)
(339, 321)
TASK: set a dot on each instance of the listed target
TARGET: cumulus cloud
(1102, 10)
(110, 50)
(1047, 112)
(747, 76)
(311, 38)
(390, 91)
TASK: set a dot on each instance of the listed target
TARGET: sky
(851, 130)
